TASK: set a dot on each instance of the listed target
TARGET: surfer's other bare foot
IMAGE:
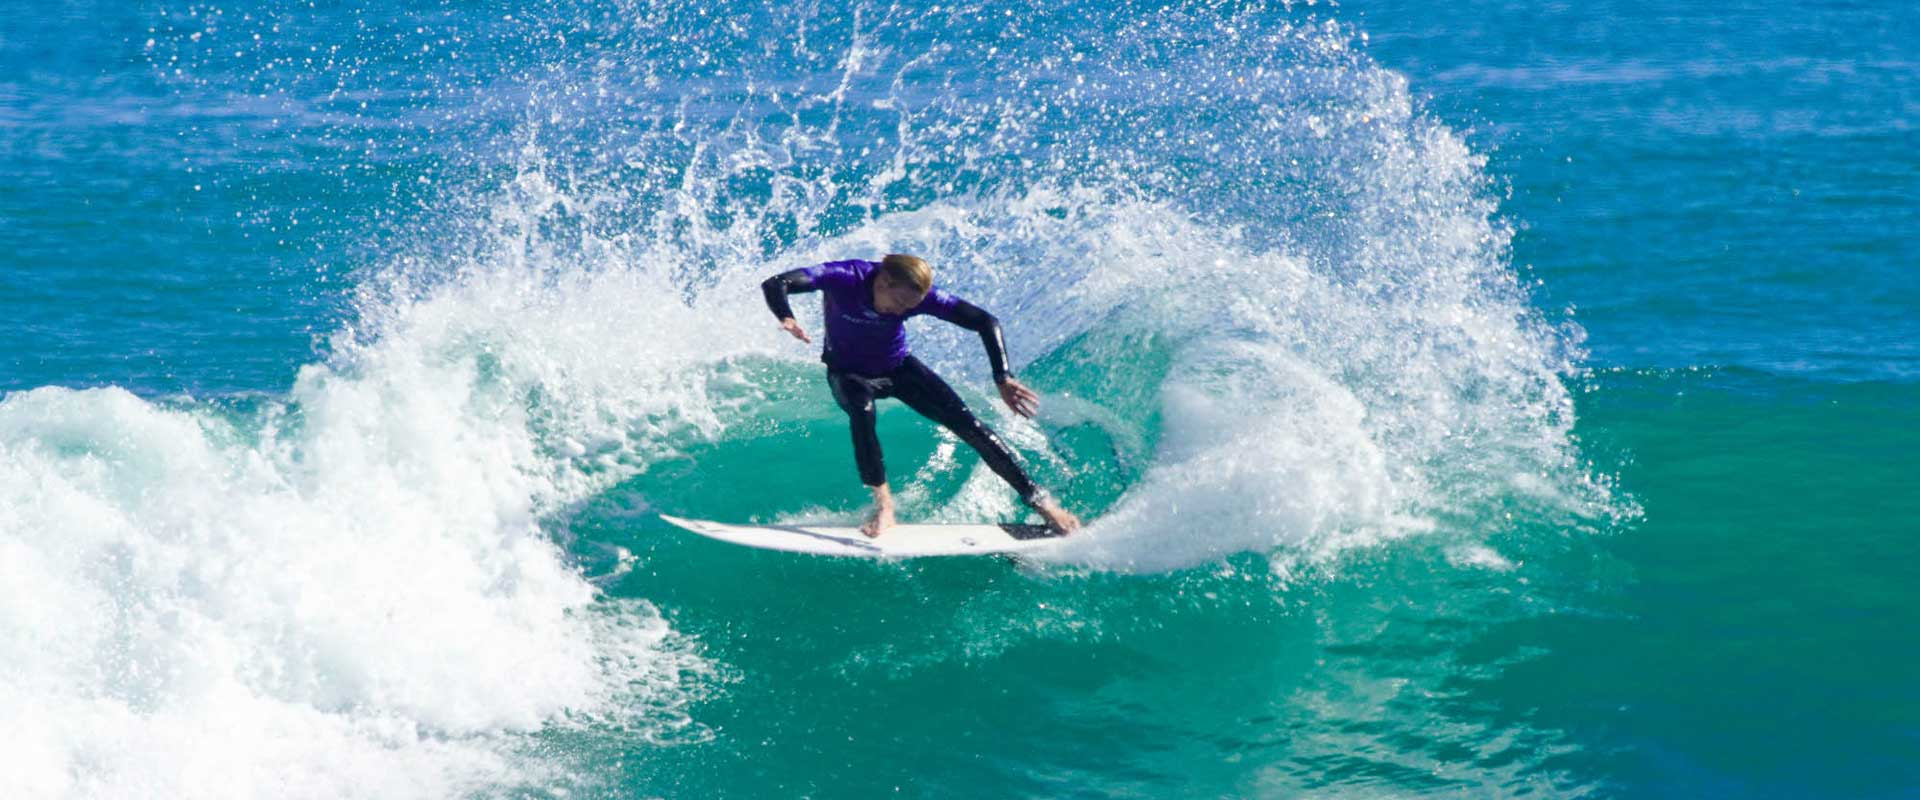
(1057, 518)
(878, 522)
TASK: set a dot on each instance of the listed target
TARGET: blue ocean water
(1472, 399)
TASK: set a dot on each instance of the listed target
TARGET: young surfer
(867, 304)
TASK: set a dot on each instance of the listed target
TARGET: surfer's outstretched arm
(974, 318)
(776, 289)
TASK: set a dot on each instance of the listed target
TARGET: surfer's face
(890, 297)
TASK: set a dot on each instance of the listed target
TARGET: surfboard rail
(902, 541)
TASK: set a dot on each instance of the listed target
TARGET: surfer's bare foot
(1057, 518)
(879, 521)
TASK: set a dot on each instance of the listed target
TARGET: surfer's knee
(972, 431)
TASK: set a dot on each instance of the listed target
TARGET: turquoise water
(1472, 399)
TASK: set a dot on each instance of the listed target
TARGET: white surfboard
(903, 541)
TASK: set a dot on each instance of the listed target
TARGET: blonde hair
(909, 270)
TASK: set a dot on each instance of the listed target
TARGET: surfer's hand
(1018, 397)
(791, 325)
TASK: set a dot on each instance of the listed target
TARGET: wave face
(1268, 300)
(1229, 243)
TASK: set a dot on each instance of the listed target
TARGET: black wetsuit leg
(856, 397)
(924, 391)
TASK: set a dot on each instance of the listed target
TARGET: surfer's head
(902, 283)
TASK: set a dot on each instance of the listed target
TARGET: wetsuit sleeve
(776, 289)
(975, 318)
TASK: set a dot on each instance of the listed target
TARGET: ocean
(1475, 399)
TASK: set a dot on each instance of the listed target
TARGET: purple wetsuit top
(859, 339)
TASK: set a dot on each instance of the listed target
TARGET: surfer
(867, 304)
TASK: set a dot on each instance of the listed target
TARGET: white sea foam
(344, 592)
(1302, 411)
(1290, 299)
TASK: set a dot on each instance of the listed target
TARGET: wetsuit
(867, 359)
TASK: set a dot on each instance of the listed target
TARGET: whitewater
(1331, 435)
